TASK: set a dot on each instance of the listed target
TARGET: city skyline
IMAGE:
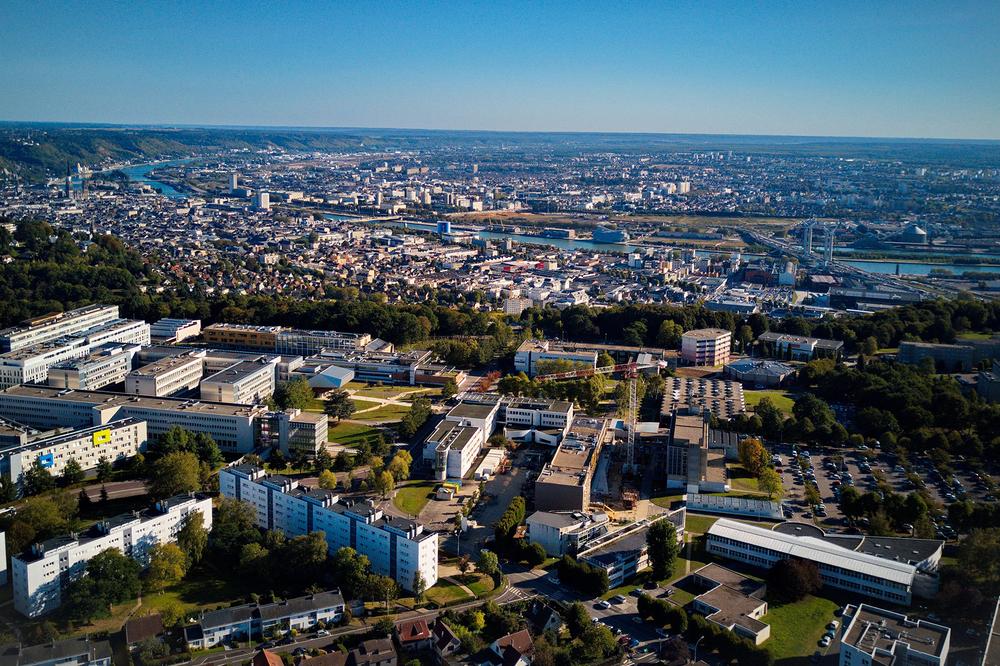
(923, 71)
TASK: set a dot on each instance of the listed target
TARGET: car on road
(322, 632)
(618, 599)
(603, 604)
(833, 625)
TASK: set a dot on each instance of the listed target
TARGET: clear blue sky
(873, 68)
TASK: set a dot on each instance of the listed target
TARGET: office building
(874, 636)
(307, 343)
(54, 326)
(797, 347)
(41, 574)
(452, 448)
(257, 621)
(564, 483)
(115, 441)
(174, 331)
(551, 357)
(407, 368)
(233, 427)
(841, 568)
(234, 182)
(104, 366)
(566, 532)
(681, 455)
(706, 346)
(65, 652)
(731, 600)
(242, 336)
(243, 383)
(537, 420)
(623, 553)
(396, 547)
(960, 357)
(298, 431)
(723, 398)
(165, 377)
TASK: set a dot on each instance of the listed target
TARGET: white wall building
(117, 440)
(874, 636)
(106, 365)
(51, 327)
(41, 574)
(166, 376)
(244, 383)
(538, 420)
(396, 547)
(531, 352)
(174, 331)
(452, 448)
(706, 346)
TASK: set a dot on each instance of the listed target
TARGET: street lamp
(696, 646)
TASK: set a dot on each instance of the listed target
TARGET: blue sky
(876, 68)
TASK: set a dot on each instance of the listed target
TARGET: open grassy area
(796, 627)
(783, 400)
(352, 434)
(974, 336)
(412, 497)
(197, 592)
(479, 583)
(445, 592)
(740, 479)
(362, 390)
(379, 413)
(699, 524)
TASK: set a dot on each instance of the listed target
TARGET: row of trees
(581, 576)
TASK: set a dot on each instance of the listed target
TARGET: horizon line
(153, 125)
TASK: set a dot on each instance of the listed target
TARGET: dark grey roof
(301, 605)
(227, 616)
(81, 650)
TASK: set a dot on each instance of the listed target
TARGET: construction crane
(630, 372)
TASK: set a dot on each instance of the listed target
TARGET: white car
(603, 605)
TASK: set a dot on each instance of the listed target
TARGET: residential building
(723, 398)
(857, 572)
(733, 601)
(165, 377)
(706, 346)
(414, 634)
(255, 621)
(531, 353)
(65, 652)
(41, 573)
(562, 532)
(174, 331)
(243, 383)
(874, 636)
(564, 483)
(396, 547)
(797, 347)
(115, 441)
(54, 326)
(106, 365)
(623, 553)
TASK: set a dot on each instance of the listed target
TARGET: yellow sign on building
(102, 437)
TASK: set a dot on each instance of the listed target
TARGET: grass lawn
(383, 413)
(796, 627)
(699, 524)
(479, 583)
(667, 500)
(740, 479)
(412, 497)
(352, 434)
(783, 400)
(970, 335)
(445, 592)
(362, 390)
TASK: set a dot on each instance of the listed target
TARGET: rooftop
(875, 630)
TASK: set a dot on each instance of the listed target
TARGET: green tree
(175, 474)
(72, 473)
(753, 455)
(193, 537)
(604, 360)
(104, 470)
(327, 480)
(669, 334)
(661, 539)
(255, 561)
(382, 588)
(595, 643)
(488, 563)
(792, 579)
(577, 619)
(399, 466)
(167, 565)
(383, 484)
(294, 394)
(419, 586)
(449, 388)
(233, 525)
(770, 483)
(339, 405)
(37, 479)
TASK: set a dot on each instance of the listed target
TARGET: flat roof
(467, 410)
(105, 399)
(873, 629)
(706, 333)
(239, 371)
(166, 364)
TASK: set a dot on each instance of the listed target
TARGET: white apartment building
(51, 327)
(41, 573)
(538, 420)
(874, 636)
(706, 346)
(166, 376)
(117, 440)
(244, 383)
(856, 572)
(233, 427)
(306, 343)
(175, 331)
(396, 547)
(106, 365)
(452, 448)
(531, 352)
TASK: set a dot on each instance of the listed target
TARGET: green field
(413, 497)
(362, 390)
(480, 584)
(445, 592)
(352, 434)
(783, 400)
(383, 413)
(699, 524)
(740, 479)
(797, 627)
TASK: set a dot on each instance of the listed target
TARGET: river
(139, 173)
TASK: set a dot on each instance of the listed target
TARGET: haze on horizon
(921, 69)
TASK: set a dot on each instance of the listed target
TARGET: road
(117, 490)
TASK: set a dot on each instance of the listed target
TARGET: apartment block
(106, 365)
(706, 346)
(396, 547)
(117, 440)
(244, 383)
(874, 636)
(66, 652)
(54, 326)
(166, 376)
(41, 574)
